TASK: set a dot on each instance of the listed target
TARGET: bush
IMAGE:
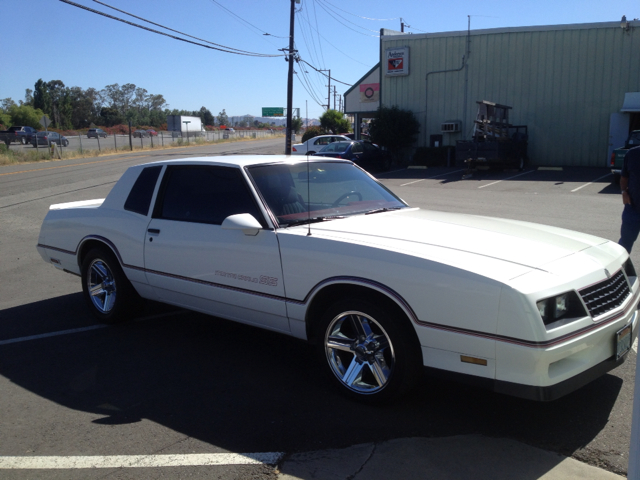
(312, 132)
(395, 129)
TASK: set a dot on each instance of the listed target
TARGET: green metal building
(576, 87)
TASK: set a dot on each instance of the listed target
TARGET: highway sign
(273, 111)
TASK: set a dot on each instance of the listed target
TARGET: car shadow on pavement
(244, 389)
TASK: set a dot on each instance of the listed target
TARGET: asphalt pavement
(202, 385)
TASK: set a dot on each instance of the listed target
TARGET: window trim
(159, 201)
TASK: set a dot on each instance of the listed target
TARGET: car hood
(458, 238)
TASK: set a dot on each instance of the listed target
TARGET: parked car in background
(17, 134)
(140, 133)
(320, 250)
(96, 132)
(352, 136)
(617, 156)
(152, 132)
(315, 144)
(49, 138)
(360, 152)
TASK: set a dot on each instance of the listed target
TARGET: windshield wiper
(380, 210)
(313, 220)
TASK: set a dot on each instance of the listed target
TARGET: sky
(54, 40)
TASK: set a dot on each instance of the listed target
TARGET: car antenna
(308, 198)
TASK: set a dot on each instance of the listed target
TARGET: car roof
(240, 161)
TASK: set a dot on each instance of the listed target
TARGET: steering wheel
(345, 195)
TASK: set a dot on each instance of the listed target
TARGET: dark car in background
(49, 138)
(152, 132)
(360, 152)
(96, 132)
(140, 133)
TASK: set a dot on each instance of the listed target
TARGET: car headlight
(561, 309)
(629, 269)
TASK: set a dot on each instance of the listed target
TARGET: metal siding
(562, 83)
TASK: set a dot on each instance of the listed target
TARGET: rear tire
(23, 140)
(371, 353)
(107, 291)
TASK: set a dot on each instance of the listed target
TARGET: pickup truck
(617, 156)
(17, 134)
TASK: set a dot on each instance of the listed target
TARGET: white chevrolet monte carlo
(320, 250)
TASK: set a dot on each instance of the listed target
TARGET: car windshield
(304, 192)
(336, 147)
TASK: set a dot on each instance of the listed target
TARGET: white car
(315, 144)
(320, 250)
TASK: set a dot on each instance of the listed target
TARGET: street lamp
(187, 122)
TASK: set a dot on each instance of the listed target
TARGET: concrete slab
(449, 458)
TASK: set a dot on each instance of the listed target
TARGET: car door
(190, 260)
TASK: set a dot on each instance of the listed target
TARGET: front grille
(606, 295)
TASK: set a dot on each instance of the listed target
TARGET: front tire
(107, 291)
(370, 352)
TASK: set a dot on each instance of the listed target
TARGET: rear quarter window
(139, 198)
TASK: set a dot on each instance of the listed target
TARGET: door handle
(153, 230)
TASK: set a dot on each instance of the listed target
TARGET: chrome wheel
(359, 352)
(101, 286)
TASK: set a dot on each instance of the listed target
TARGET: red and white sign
(369, 92)
(397, 61)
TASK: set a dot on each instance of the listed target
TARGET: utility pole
(334, 97)
(287, 148)
(329, 91)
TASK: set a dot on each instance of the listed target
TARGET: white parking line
(51, 334)
(590, 183)
(435, 176)
(141, 461)
(635, 346)
(509, 178)
(83, 329)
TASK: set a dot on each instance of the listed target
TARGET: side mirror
(242, 221)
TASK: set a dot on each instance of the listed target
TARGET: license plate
(623, 341)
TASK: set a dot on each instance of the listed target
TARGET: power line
(363, 28)
(167, 28)
(317, 70)
(245, 21)
(224, 49)
(359, 16)
(338, 49)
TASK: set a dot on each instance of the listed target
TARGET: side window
(357, 148)
(204, 194)
(140, 195)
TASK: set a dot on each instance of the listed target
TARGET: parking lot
(182, 383)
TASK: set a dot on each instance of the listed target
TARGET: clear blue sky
(53, 40)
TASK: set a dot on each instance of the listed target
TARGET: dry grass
(21, 156)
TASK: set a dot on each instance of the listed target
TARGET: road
(182, 383)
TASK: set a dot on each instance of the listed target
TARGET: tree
(394, 129)
(6, 104)
(206, 116)
(41, 97)
(25, 115)
(28, 96)
(312, 132)
(5, 119)
(223, 119)
(296, 124)
(334, 121)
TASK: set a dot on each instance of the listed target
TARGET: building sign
(397, 61)
(273, 111)
(369, 92)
